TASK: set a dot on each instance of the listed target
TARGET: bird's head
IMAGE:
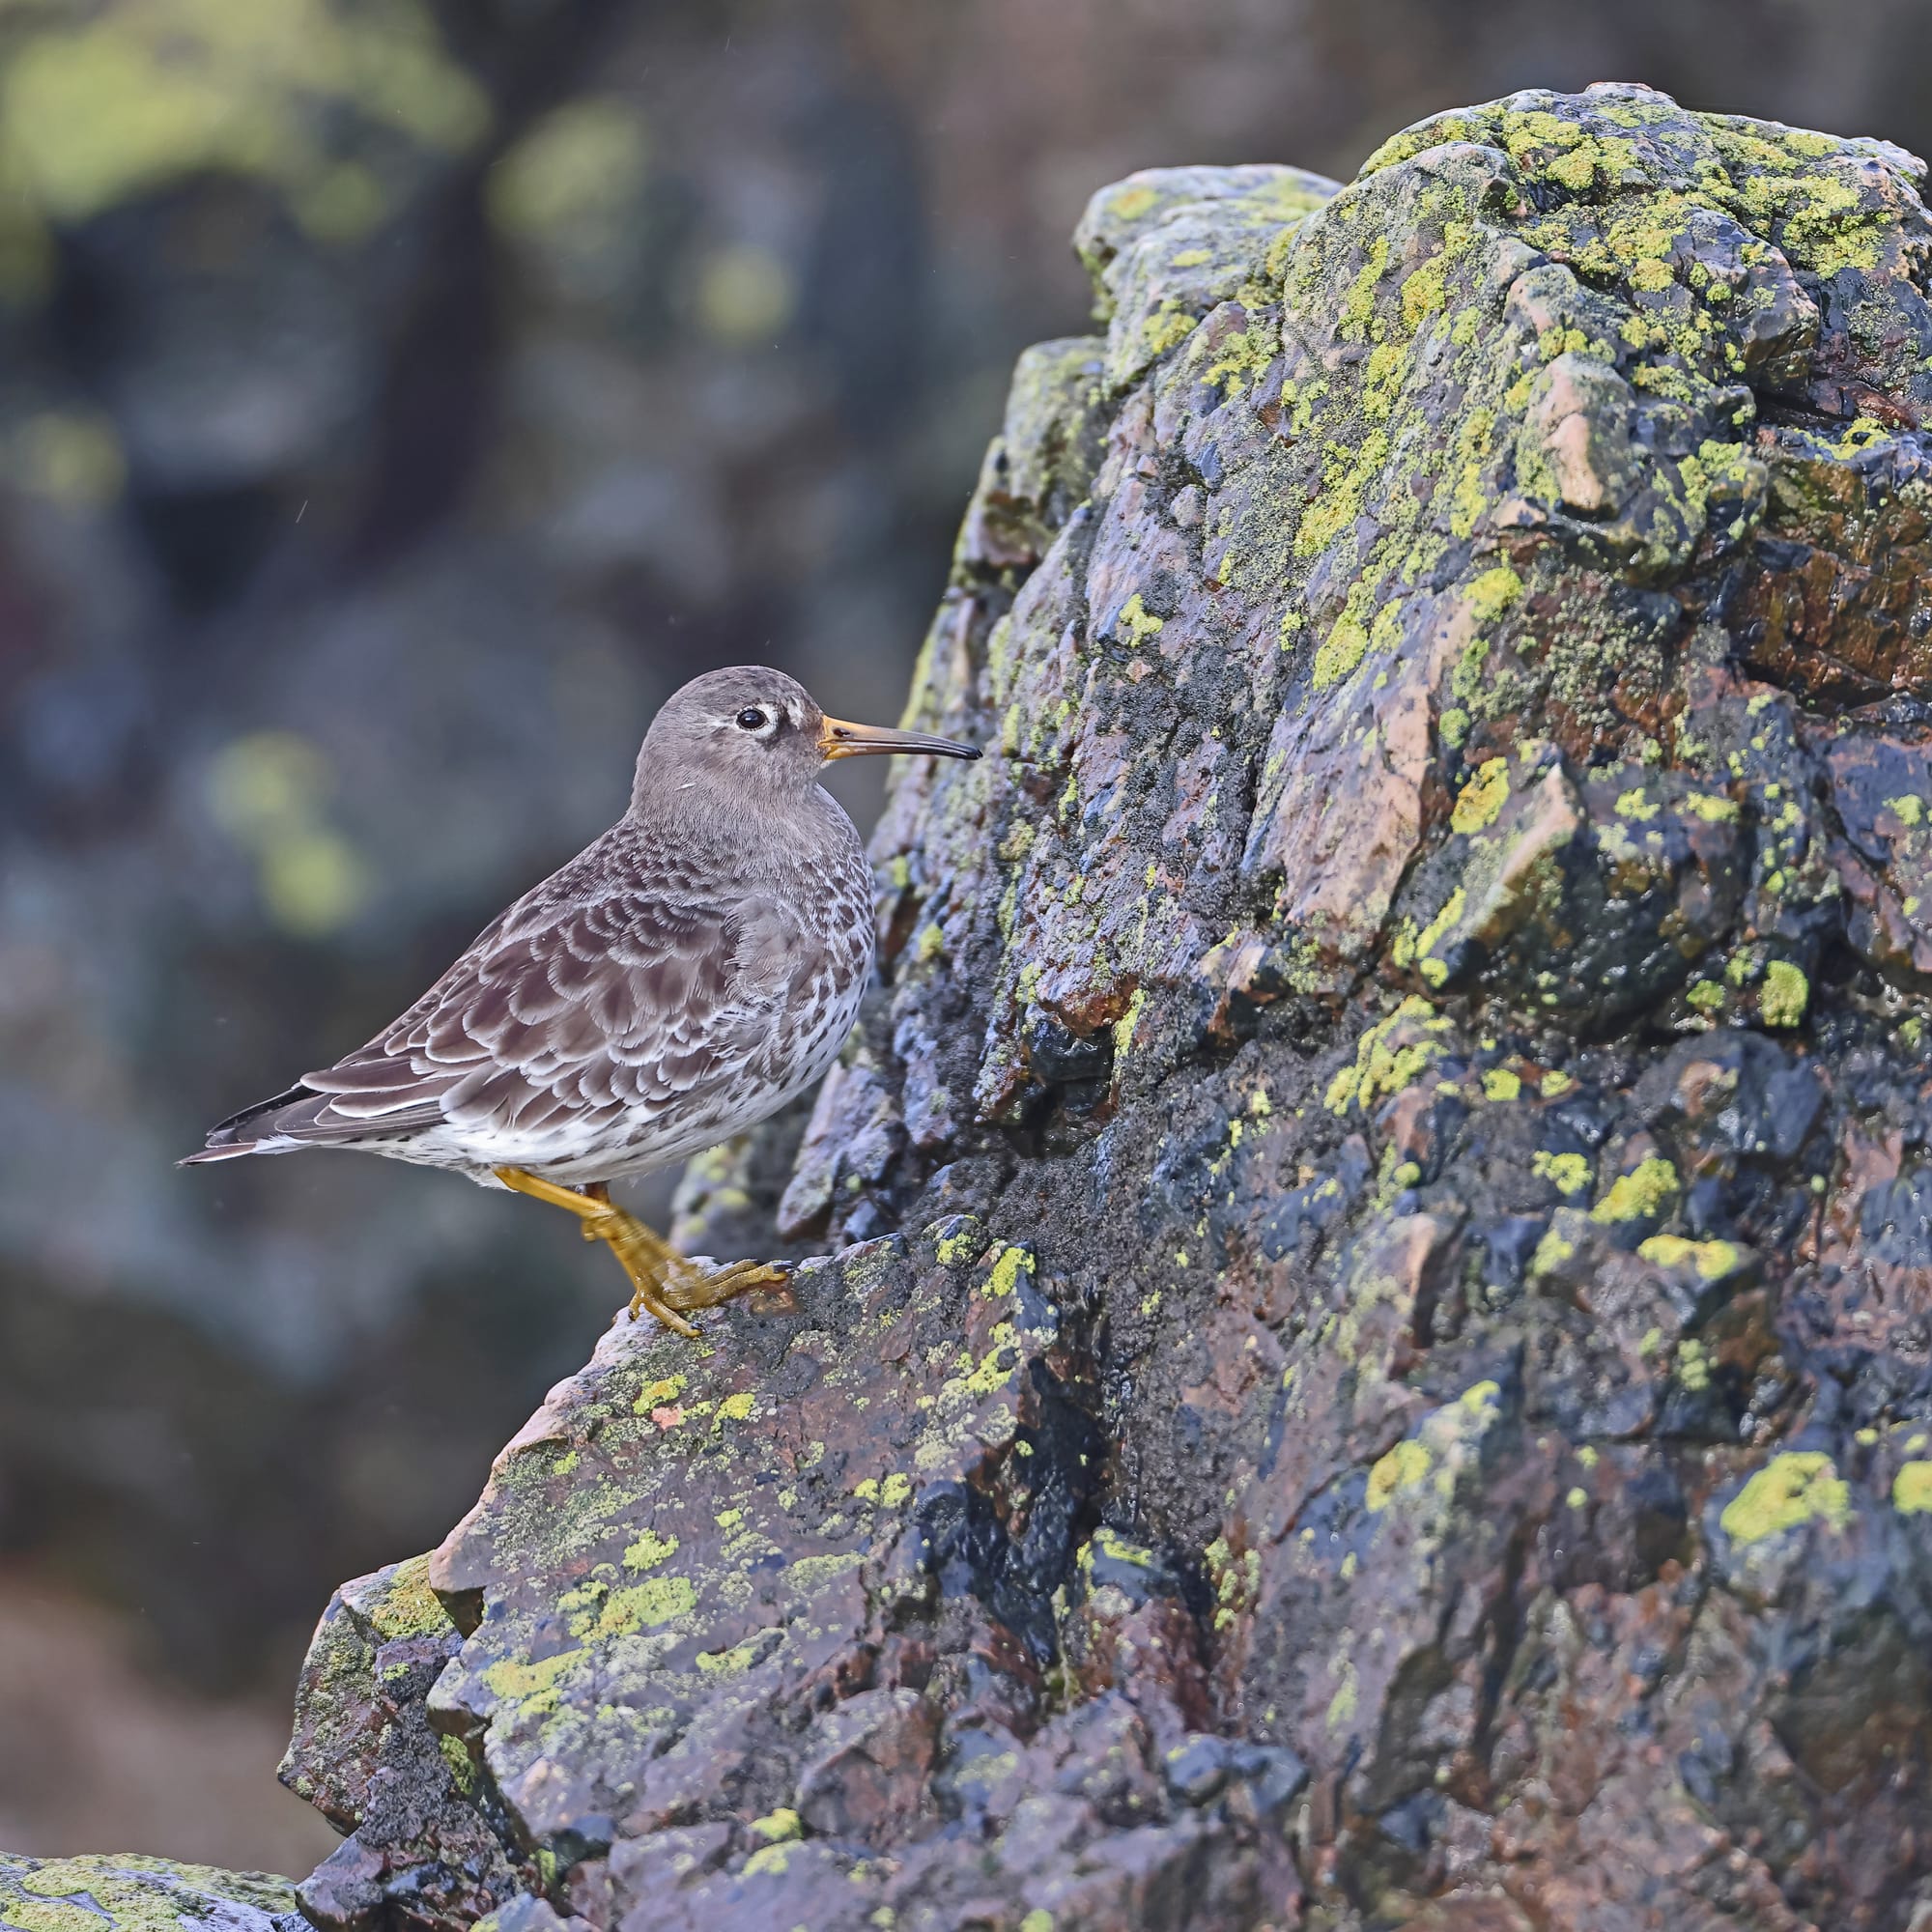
(759, 732)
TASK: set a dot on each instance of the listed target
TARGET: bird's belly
(642, 1140)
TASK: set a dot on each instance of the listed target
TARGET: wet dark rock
(1377, 1364)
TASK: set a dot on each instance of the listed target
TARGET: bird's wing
(575, 1007)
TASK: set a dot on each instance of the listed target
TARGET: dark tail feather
(247, 1132)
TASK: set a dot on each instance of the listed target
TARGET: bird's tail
(255, 1130)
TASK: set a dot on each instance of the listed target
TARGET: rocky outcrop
(1374, 1364)
(139, 1895)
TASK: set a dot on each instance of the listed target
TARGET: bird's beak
(838, 739)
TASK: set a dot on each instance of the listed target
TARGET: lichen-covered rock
(140, 1894)
(1378, 1367)
(425, 1839)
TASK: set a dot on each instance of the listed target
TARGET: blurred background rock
(397, 400)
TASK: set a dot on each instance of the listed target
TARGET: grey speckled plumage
(688, 974)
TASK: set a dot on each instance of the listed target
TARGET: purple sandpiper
(684, 976)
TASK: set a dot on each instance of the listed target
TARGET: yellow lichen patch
(1339, 652)
(1552, 1252)
(1358, 307)
(638, 1607)
(1129, 204)
(961, 1245)
(809, 1572)
(1381, 1067)
(1785, 994)
(1482, 798)
(1711, 806)
(409, 1607)
(729, 1663)
(1800, 1486)
(1500, 1084)
(1712, 1260)
(1388, 363)
(657, 1394)
(131, 1894)
(1481, 1399)
(1912, 1490)
(1237, 1579)
(56, 1915)
(1436, 971)
(1493, 592)
(776, 1826)
(649, 1551)
(1908, 809)
(1345, 479)
(1164, 329)
(1136, 623)
(737, 1408)
(890, 1494)
(1006, 1273)
(1406, 1464)
(1570, 1172)
(995, 1368)
(1241, 356)
(1423, 294)
(530, 1687)
(1643, 1194)
(1443, 1450)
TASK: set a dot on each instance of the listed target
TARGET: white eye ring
(753, 718)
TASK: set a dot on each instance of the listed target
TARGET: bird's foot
(716, 1285)
(663, 1281)
(667, 1284)
(660, 1275)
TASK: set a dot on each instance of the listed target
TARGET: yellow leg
(662, 1281)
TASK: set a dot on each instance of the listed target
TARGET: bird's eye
(752, 719)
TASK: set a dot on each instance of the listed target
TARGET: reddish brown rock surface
(1375, 1367)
